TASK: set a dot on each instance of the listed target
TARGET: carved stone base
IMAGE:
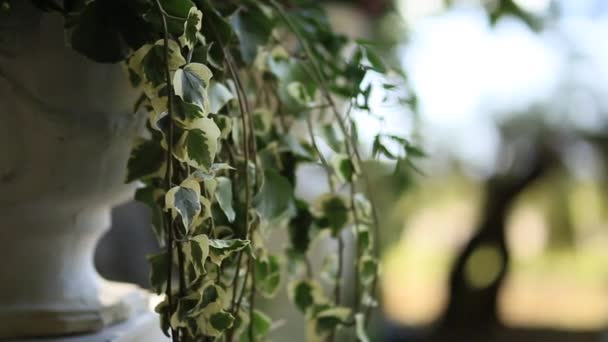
(117, 303)
(143, 327)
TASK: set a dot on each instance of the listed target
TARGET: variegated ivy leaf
(364, 207)
(299, 93)
(225, 123)
(268, 275)
(191, 27)
(146, 160)
(219, 97)
(187, 112)
(332, 137)
(163, 310)
(329, 270)
(331, 317)
(221, 249)
(296, 84)
(183, 200)
(197, 252)
(305, 294)
(210, 185)
(262, 324)
(159, 111)
(223, 195)
(360, 327)
(213, 296)
(135, 65)
(218, 323)
(214, 320)
(344, 167)
(181, 318)
(203, 175)
(364, 237)
(262, 121)
(153, 62)
(275, 197)
(331, 211)
(241, 323)
(368, 269)
(190, 84)
(158, 271)
(152, 197)
(200, 143)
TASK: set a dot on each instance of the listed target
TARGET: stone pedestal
(143, 327)
(66, 129)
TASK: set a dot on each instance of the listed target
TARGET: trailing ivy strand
(238, 95)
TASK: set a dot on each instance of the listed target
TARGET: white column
(66, 129)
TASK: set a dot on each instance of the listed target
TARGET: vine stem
(248, 142)
(246, 120)
(169, 171)
(322, 82)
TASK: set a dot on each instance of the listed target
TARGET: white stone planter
(66, 128)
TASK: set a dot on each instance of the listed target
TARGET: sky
(469, 74)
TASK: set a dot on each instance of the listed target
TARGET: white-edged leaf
(191, 27)
(183, 200)
(223, 195)
(219, 96)
(275, 197)
(190, 84)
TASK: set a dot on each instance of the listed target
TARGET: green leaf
(364, 238)
(187, 112)
(275, 197)
(300, 228)
(331, 212)
(330, 134)
(223, 194)
(190, 84)
(305, 294)
(150, 196)
(363, 206)
(191, 27)
(164, 311)
(221, 321)
(219, 96)
(184, 201)
(185, 305)
(159, 263)
(368, 269)
(146, 159)
(300, 93)
(221, 249)
(197, 252)
(253, 26)
(329, 319)
(268, 275)
(374, 60)
(175, 8)
(211, 294)
(287, 71)
(154, 62)
(201, 142)
(344, 167)
(197, 147)
(262, 324)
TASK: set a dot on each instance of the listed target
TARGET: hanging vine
(238, 94)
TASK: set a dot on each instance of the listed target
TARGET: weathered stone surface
(66, 129)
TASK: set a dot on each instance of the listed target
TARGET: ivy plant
(238, 94)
